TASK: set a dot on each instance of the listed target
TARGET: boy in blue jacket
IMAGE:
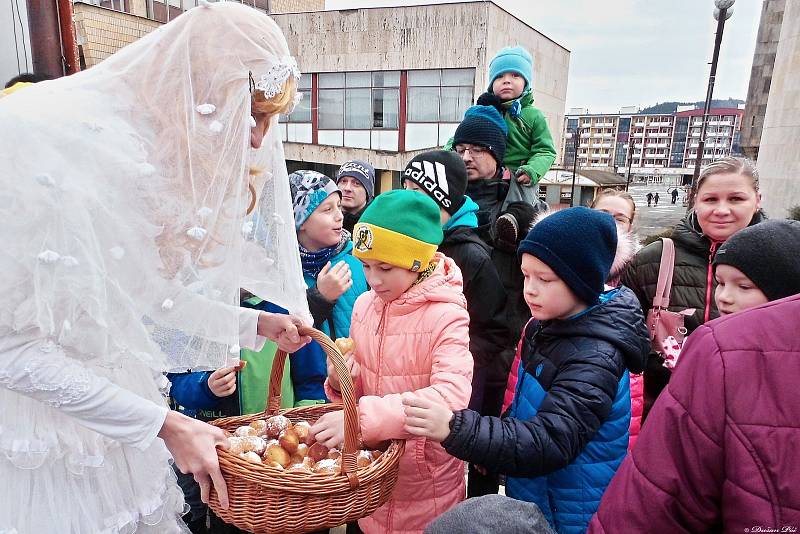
(566, 431)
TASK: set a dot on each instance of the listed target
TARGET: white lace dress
(79, 451)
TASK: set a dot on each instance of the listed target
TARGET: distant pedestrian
(655, 199)
(674, 195)
(649, 199)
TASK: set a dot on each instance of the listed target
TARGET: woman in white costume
(124, 241)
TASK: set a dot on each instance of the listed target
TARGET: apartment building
(723, 135)
(653, 146)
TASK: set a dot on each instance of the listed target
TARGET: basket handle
(351, 425)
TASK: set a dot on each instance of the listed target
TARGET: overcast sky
(635, 52)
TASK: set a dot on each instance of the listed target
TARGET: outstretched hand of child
(329, 429)
(333, 281)
(222, 382)
(352, 365)
(427, 418)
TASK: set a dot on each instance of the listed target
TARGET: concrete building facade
(769, 31)
(379, 84)
(779, 157)
(382, 84)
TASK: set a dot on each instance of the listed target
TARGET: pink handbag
(666, 327)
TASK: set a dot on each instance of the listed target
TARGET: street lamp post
(723, 12)
(575, 136)
(630, 158)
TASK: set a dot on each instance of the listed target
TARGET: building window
(166, 10)
(441, 95)
(359, 100)
(302, 111)
(116, 5)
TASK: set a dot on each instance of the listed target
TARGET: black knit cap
(768, 253)
(442, 175)
(483, 126)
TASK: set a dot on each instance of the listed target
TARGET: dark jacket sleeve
(191, 390)
(321, 308)
(486, 298)
(672, 481)
(577, 404)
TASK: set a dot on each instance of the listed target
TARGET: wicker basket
(267, 500)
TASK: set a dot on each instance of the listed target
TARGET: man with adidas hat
(443, 177)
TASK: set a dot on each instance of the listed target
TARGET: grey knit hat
(491, 513)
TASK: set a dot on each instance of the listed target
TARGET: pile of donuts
(277, 443)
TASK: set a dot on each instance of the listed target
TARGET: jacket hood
(445, 284)
(466, 215)
(617, 321)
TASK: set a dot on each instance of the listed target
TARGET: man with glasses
(480, 141)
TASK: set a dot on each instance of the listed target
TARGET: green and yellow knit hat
(401, 228)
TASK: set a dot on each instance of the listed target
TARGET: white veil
(123, 192)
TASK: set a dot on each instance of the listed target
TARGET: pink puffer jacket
(418, 342)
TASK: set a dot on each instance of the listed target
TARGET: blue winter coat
(309, 367)
(568, 425)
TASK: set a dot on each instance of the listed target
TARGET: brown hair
(729, 165)
(608, 192)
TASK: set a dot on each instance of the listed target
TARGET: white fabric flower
(48, 256)
(206, 109)
(145, 169)
(69, 261)
(117, 252)
(45, 180)
(197, 233)
(215, 127)
(247, 229)
(252, 122)
(204, 212)
(167, 304)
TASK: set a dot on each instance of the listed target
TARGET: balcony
(584, 145)
(604, 125)
(640, 134)
(606, 145)
(658, 145)
(638, 146)
(598, 135)
(659, 124)
(585, 136)
(639, 124)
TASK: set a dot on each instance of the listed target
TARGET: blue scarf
(313, 262)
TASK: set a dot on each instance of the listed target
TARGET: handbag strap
(665, 270)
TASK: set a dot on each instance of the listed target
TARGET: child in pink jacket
(411, 334)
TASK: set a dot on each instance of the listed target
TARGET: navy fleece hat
(483, 125)
(512, 59)
(579, 244)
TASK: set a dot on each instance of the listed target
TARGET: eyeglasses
(474, 150)
(620, 218)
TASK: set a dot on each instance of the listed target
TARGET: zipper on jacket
(710, 276)
(380, 333)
